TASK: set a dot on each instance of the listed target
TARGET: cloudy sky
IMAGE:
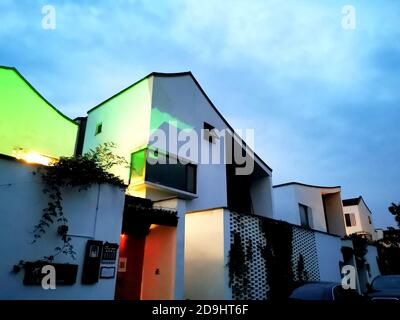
(324, 101)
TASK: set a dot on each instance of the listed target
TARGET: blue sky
(324, 101)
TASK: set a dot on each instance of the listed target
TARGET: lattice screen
(304, 245)
(251, 234)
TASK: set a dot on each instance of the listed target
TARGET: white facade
(92, 214)
(324, 205)
(362, 217)
(176, 102)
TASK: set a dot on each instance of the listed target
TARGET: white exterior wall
(181, 99)
(285, 203)
(261, 194)
(93, 214)
(329, 256)
(206, 252)
(287, 198)
(371, 258)
(130, 118)
(311, 197)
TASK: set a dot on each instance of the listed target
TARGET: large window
(305, 216)
(350, 219)
(170, 172)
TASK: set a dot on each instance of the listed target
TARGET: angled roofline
(179, 74)
(358, 199)
(158, 74)
(38, 93)
(304, 185)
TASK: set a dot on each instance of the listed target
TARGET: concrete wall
(285, 204)
(93, 214)
(206, 255)
(334, 214)
(329, 256)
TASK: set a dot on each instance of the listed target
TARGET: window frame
(308, 216)
(99, 128)
(348, 218)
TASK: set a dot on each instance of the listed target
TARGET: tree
(394, 209)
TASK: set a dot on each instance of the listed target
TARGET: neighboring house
(30, 127)
(33, 132)
(322, 209)
(358, 218)
(315, 207)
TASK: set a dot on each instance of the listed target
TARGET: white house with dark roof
(202, 189)
(358, 217)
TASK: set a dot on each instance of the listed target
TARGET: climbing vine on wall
(278, 256)
(360, 245)
(72, 172)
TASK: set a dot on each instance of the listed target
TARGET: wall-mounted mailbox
(91, 265)
(109, 255)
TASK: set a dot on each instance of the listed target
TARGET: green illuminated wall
(125, 120)
(29, 122)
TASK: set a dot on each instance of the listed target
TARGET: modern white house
(200, 184)
(358, 217)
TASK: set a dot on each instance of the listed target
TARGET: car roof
(314, 291)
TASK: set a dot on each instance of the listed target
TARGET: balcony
(154, 171)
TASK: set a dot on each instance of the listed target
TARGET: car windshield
(388, 282)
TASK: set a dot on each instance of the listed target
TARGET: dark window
(209, 132)
(99, 128)
(171, 174)
(350, 219)
(369, 220)
(305, 213)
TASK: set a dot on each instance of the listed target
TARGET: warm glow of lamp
(33, 157)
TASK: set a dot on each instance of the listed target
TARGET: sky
(324, 100)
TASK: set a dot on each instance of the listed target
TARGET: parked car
(329, 291)
(385, 288)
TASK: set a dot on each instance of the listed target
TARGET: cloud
(324, 101)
